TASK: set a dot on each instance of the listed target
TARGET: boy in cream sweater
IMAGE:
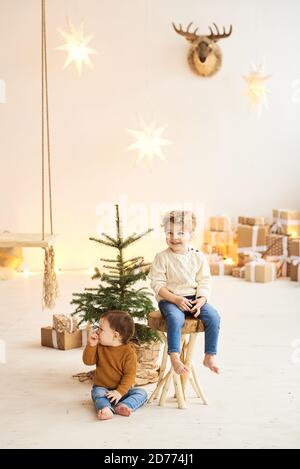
(180, 277)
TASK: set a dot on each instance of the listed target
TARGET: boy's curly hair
(186, 219)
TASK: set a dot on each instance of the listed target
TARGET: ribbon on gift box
(253, 265)
(214, 258)
(295, 260)
(84, 337)
(64, 323)
(277, 225)
(221, 268)
(283, 259)
(253, 248)
(54, 338)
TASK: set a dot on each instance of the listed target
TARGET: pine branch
(110, 238)
(101, 241)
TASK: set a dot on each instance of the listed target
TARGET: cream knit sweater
(182, 274)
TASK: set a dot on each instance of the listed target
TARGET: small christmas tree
(116, 289)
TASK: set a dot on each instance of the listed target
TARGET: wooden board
(26, 240)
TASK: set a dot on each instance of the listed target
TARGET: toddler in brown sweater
(108, 348)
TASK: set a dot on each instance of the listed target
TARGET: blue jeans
(175, 318)
(134, 399)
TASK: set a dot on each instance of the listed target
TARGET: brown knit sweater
(115, 366)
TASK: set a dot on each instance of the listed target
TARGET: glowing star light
(149, 142)
(256, 90)
(76, 46)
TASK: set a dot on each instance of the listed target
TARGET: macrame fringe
(50, 285)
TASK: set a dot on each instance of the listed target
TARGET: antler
(189, 36)
(217, 36)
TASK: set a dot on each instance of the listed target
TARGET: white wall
(222, 156)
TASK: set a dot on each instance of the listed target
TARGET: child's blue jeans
(175, 319)
(134, 399)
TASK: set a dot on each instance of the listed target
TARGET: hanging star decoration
(76, 46)
(256, 90)
(149, 142)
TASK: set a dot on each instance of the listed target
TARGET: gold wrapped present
(281, 264)
(294, 247)
(207, 248)
(220, 250)
(286, 221)
(293, 270)
(221, 268)
(251, 220)
(238, 272)
(63, 340)
(63, 322)
(220, 223)
(217, 238)
(244, 258)
(260, 271)
(251, 238)
(277, 245)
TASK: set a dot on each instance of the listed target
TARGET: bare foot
(210, 362)
(105, 414)
(177, 364)
(122, 409)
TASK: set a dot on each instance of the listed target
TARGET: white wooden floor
(254, 403)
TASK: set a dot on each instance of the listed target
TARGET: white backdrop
(223, 158)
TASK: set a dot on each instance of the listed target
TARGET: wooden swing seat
(26, 240)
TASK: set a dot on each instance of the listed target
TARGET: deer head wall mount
(205, 56)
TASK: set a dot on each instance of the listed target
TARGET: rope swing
(50, 286)
(42, 240)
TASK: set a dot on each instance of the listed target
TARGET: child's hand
(198, 305)
(114, 396)
(93, 339)
(183, 303)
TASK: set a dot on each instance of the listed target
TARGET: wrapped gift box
(220, 223)
(63, 322)
(220, 250)
(238, 272)
(294, 247)
(206, 248)
(281, 264)
(294, 270)
(245, 258)
(251, 220)
(221, 268)
(251, 238)
(286, 221)
(277, 245)
(63, 340)
(217, 238)
(260, 271)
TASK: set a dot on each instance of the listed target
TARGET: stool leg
(179, 392)
(161, 379)
(188, 358)
(200, 392)
(183, 358)
(164, 393)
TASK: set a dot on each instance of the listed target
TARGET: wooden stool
(191, 327)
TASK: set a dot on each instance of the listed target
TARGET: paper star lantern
(149, 142)
(256, 90)
(76, 46)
